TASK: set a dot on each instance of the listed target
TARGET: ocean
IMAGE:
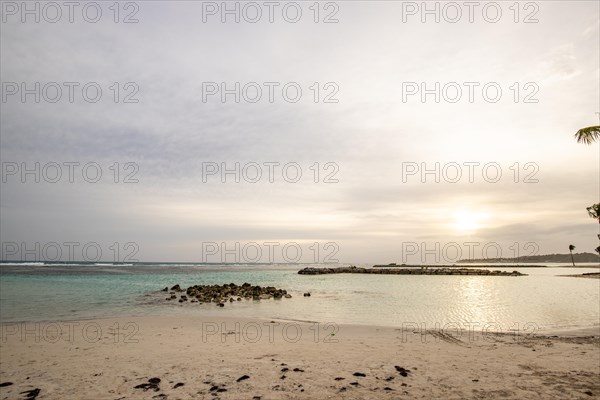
(541, 301)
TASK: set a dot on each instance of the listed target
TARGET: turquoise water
(544, 299)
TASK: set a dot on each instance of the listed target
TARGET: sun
(469, 221)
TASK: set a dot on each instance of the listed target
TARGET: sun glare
(468, 221)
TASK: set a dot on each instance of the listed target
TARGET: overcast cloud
(370, 133)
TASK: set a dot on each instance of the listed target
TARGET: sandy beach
(264, 200)
(226, 358)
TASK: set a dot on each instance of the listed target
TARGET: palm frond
(588, 135)
(594, 211)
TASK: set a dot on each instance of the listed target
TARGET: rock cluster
(465, 264)
(406, 271)
(220, 294)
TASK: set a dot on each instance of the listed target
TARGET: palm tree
(588, 135)
(594, 211)
(598, 250)
(571, 248)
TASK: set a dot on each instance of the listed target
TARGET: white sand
(185, 350)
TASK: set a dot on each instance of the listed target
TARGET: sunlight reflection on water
(542, 298)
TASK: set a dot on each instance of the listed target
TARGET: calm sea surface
(38, 292)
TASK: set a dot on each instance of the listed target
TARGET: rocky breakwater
(221, 294)
(406, 271)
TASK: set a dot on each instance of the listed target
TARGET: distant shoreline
(542, 258)
(592, 275)
(457, 266)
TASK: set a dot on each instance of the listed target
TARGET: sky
(380, 133)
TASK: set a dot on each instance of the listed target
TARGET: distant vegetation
(542, 258)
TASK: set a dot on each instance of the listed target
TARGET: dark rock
(31, 394)
(178, 384)
(283, 377)
(389, 378)
(339, 379)
(165, 289)
(230, 293)
(436, 270)
(176, 288)
(354, 383)
(213, 388)
(152, 384)
(298, 370)
(387, 388)
(402, 371)
(359, 374)
(219, 390)
(4, 384)
(242, 378)
(306, 294)
(285, 369)
(145, 386)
